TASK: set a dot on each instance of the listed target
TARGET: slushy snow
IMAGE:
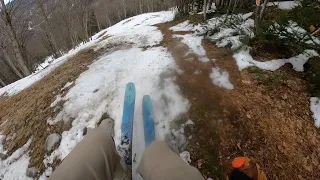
(244, 60)
(221, 78)
(15, 166)
(194, 42)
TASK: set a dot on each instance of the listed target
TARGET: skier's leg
(160, 162)
(95, 157)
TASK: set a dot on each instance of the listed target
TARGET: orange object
(238, 162)
(258, 2)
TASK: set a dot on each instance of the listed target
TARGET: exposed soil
(265, 117)
(25, 115)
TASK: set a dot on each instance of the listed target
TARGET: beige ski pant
(96, 158)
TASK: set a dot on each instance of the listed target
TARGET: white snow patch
(315, 109)
(285, 5)
(185, 26)
(194, 42)
(185, 156)
(244, 60)
(221, 78)
(16, 165)
(247, 15)
(68, 84)
(58, 99)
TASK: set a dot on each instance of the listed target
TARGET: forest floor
(266, 116)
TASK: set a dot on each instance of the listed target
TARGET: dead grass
(26, 113)
(267, 118)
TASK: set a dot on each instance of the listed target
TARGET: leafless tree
(7, 18)
(52, 45)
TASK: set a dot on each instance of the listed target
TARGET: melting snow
(194, 42)
(185, 26)
(15, 166)
(285, 5)
(244, 60)
(221, 78)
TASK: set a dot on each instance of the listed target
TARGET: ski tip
(146, 98)
(130, 86)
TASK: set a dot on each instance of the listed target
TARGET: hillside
(213, 98)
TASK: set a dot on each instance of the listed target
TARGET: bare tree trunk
(140, 6)
(109, 21)
(2, 82)
(205, 5)
(52, 43)
(229, 8)
(14, 40)
(10, 63)
(210, 4)
(263, 8)
(257, 19)
(85, 21)
(119, 16)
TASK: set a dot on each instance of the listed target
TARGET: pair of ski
(127, 123)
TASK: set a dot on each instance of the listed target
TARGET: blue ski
(125, 147)
(148, 122)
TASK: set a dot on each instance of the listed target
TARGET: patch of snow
(285, 5)
(315, 109)
(221, 78)
(2, 139)
(247, 15)
(45, 64)
(185, 26)
(68, 84)
(244, 60)
(194, 42)
(189, 122)
(185, 156)
(197, 72)
(56, 101)
(16, 165)
(110, 74)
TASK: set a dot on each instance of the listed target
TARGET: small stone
(3, 156)
(32, 172)
(52, 140)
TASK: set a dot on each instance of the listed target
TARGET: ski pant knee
(160, 162)
(95, 157)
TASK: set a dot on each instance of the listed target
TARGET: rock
(32, 172)
(52, 140)
(3, 156)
